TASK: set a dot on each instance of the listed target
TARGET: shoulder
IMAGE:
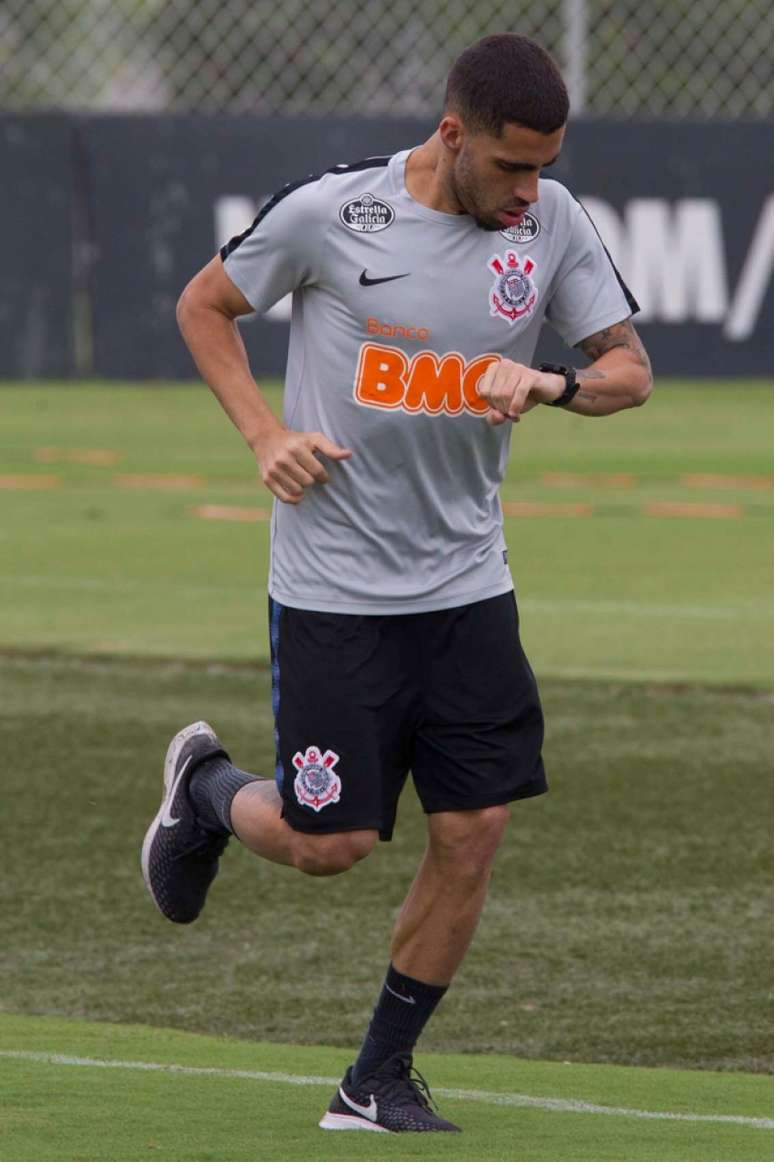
(331, 186)
(311, 201)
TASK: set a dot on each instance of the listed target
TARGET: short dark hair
(507, 78)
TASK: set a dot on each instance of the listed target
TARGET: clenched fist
(511, 389)
(288, 461)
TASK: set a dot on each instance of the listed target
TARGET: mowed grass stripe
(485, 1097)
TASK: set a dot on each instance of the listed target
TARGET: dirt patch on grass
(589, 480)
(231, 512)
(540, 508)
(718, 480)
(29, 483)
(98, 457)
(686, 508)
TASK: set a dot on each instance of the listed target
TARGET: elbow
(643, 391)
(183, 309)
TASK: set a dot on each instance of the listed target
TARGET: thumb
(328, 448)
(495, 418)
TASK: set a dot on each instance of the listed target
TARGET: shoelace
(209, 843)
(406, 1086)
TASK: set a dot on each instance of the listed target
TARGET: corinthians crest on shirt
(513, 294)
(316, 785)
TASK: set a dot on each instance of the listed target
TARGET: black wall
(104, 220)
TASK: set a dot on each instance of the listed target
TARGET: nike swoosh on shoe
(166, 819)
(370, 1111)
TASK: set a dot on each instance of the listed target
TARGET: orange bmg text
(387, 378)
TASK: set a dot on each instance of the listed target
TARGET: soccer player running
(420, 284)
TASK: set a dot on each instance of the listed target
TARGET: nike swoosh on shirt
(368, 1111)
(364, 280)
(166, 818)
(406, 1000)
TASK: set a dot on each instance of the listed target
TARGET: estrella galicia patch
(525, 231)
(316, 785)
(367, 214)
(514, 293)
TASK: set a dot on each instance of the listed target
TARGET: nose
(527, 189)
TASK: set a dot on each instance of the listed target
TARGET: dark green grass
(92, 567)
(629, 921)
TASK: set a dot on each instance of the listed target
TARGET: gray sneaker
(179, 857)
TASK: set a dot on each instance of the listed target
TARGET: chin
(487, 224)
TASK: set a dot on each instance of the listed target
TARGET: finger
(309, 462)
(295, 471)
(495, 418)
(279, 482)
(484, 387)
(283, 495)
(517, 402)
(321, 443)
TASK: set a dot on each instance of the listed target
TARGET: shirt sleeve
(282, 249)
(588, 293)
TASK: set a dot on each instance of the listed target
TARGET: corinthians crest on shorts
(316, 785)
(514, 294)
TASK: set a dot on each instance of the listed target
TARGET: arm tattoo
(619, 335)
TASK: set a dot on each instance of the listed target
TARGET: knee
(469, 839)
(328, 855)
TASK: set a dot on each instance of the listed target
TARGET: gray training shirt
(397, 312)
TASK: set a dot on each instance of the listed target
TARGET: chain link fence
(663, 58)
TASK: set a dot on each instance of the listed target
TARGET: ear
(452, 132)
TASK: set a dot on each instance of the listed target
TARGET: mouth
(512, 217)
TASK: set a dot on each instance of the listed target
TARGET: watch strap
(571, 385)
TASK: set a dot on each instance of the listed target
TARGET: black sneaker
(180, 858)
(394, 1099)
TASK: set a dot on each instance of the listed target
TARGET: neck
(428, 177)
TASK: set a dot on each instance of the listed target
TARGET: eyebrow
(503, 161)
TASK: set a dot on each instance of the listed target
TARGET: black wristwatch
(571, 385)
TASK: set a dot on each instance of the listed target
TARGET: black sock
(212, 788)
(402, 1011)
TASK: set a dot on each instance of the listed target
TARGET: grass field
(630, 917)
(641, 544)
(159, 1092)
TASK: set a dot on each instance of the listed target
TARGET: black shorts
(359, 701)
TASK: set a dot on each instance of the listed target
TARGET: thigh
(481, 732)
(340, 711)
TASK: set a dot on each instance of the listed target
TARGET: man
(420, 283)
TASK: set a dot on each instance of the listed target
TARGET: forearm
(216, 345)
(606, 389)
(619, 376)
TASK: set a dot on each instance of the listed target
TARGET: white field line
(522, 1100)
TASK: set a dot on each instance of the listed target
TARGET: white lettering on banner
(676, 261)
(672, 255)
(232, 216)
(754, 279)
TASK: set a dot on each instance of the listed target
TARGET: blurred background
(136, 136)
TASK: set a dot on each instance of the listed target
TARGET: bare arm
(619, 376)
(206, 314)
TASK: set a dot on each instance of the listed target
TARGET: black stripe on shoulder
(631, 301)
(342, 168)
